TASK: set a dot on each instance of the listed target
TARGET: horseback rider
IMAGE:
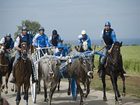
(84, 38)
(23, 37)
(8, 44)
(61, 50)
(55, 38)
(109, 37)
(41, 40)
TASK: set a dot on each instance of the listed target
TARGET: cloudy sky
(69, 17)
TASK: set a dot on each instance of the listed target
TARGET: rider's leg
(102, 62)
(17, 57)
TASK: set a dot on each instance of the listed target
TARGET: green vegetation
(131, 59)
(32, 26)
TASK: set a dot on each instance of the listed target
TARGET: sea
(127, 42)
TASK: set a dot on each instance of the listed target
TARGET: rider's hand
(109, 51)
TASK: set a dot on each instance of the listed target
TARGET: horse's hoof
(104, 99)
(123, 94)
(69, 93)
(12, 89)
(6, 92)
(17, 102)
(85, 95)
(46, 100)
(26, 103)
(3, 87)
(81, 103)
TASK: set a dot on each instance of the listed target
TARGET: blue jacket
(26, 38)
(63, 51)
(86, 38)
(42, 41)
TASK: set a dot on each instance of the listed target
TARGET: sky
(69, 17)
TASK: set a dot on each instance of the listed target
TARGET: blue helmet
(60, 45)
(107, 23)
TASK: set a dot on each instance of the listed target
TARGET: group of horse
(50, 70)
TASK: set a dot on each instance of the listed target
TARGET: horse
(83, 48)
(113, 68)
(46, 68)
(22, 71)
(5, 67)
(78, 70)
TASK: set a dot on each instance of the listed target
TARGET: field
(131, 61)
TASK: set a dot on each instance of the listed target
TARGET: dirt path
(61, 98)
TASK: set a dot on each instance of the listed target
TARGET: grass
(132, 85)
(131, 59)
(131, 62)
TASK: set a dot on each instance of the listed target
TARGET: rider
(61, 50)
(55, 38)
(84, 38)
(41, 40)
(8, 43)
(23, 37)
(109, 37)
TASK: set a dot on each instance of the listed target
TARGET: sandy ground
(61, 98)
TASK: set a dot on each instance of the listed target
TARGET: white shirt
(34, 39)
(2, 41)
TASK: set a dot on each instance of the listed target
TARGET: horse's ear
(121, 43)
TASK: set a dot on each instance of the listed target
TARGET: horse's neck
(2, 59)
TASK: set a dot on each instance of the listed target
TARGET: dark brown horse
(114, 68)
(5, 67)
(22, 72)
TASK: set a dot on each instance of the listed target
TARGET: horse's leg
(118, 93)
(26, 88)
(18, 97)
(104, 87)
(52, 89)
(81, 92)
(113, 80)
(123, 79)
(58, 86)
(88, 87)
(69, 87)
(6, 83)
(45, 91)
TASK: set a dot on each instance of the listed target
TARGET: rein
(3, 65)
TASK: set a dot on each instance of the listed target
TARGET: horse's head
(116, 47)
(87, 65)
(85, 46)
(115, 51)
(2, 50)
(24, 52)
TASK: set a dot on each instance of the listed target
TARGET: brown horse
(114, 68)
(78, 70)
(5, 67)
(22, 72)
